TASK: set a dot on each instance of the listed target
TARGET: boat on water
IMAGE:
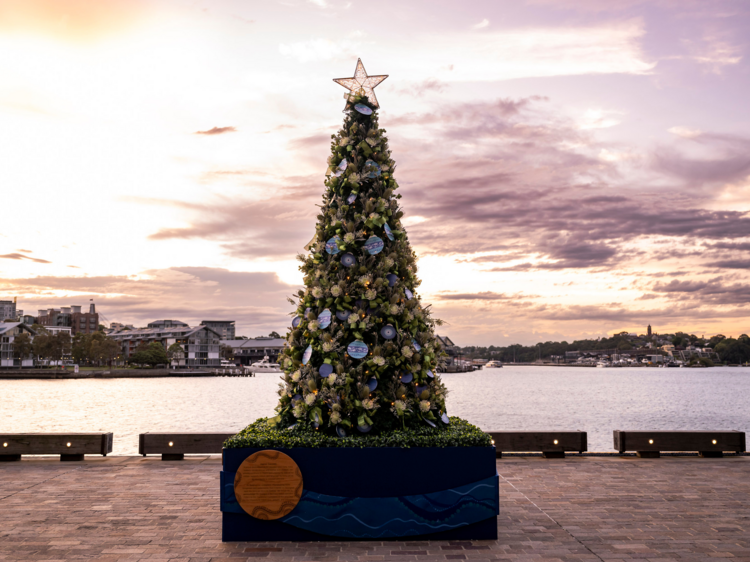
(493, 365)
(603, 364)
(264, 366)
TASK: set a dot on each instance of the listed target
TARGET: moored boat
(264, 366)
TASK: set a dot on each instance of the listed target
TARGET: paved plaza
(579, 508)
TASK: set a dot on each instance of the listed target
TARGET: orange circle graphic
(268, 485)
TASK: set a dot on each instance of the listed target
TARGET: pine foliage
(395, 385)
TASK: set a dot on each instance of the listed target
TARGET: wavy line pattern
(400, 516)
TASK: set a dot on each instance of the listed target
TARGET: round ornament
(374, 245)
(430, 374)
(428, 422)
(306, 355)
(325, 370)
(332, 246)
(418, 390)
(407, 378)
(364, 428)
(348, 260)
(296, 398)
(268, 485)
(388, 332)
(363, 109)
(388, 232)
(296, 321)
(307, 311)
(340, 431)
(372, 384)
(414, 343)
(445, 419)
(324, 319)
(409, 294)
(342, 315)
(357, 349)
(372, 169)
(352, 198)
(392, 279)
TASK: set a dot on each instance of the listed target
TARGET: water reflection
(513, 398)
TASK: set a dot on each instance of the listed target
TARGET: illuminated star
(361, 83)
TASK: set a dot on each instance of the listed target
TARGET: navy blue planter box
(376, 494)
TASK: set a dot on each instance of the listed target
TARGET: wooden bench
(70, 446)
(649, 444)
(174, 446)
(552, 444)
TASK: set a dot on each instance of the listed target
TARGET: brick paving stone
(125, 509)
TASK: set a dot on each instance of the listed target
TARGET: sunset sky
(569, 168)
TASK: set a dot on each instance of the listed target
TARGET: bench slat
(539, 441)
(679, 441)
(182, 443)
(56, 443)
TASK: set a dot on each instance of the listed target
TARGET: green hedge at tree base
(260, 434)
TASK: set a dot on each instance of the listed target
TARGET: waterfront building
(225, 328)
(8, 333)
(165, 324)
(255, 349)
(72, 317)
(200, 345)
(8, 310)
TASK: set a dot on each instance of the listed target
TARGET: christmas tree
(362, 354)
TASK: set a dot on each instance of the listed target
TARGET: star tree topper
(361, 83)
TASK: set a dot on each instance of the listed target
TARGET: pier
(580, 508)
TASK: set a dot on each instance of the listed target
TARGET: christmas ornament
(348, 260)
(341, 168)
(372, 170)
(296, 321)
(414, 343)
(363, 109)
(342, 314)
(407, 378)
(409, 294)
(374, 245)
(388, 332)
(352, 198)
(388, 232)
(306, 355)
(340, 431)
(372, 384)
(361, 83)
(324, 319)
(364, 428)
(325, 370)
(332, 246)
(445, 418)
(392, 279)
(357, 349)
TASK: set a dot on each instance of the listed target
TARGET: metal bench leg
(173, 457)
(10, 458)
(71, 457)
(553, 454)
(648, 454)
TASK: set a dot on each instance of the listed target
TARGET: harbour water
(512, 398)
